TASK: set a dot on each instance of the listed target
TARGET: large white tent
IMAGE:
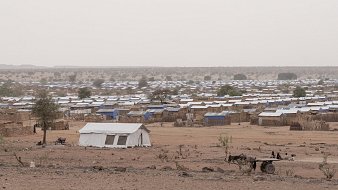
(114, 135)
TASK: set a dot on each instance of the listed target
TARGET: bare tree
(160, 94)
(46, 112)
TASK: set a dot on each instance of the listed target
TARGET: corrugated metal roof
(249, 110)
(183, 105)
(199, 107)
(211, 114)
(214, 106)
(270, 114)
(316, 104)
(105, 110)
(194, 103)
(186, 100)
(333, 106)
(109, 103)
(136, 113)
(97, 103)
(233, 101)
(287, 111)
(155, 106)
(155, 110)
(173, 109)
(304, 109)
(242, 103)
(111, 128)
(126, 103)
(317, 108)
(227, 105)
(208, 103)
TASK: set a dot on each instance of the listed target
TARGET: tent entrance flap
(141, 136)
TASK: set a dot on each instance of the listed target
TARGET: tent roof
(155, 106)
(211, 114)
(288, 111)
(199, 107)
(136, 113)
(173, 109)
(126, 128)
(155, 110)
(105, 111)
(270, 114)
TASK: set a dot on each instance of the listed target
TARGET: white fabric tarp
(95, 134)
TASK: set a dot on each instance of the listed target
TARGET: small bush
(182, 153)
(42, 159)
(224, 141)
(163, 156)
(328, 171)
(181, 167)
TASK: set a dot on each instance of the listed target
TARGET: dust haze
(190, 33)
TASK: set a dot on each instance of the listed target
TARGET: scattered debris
(220, 170)
(32, 164)
(181, 167)
(166, 168)
(152, 167)
(259, 178)
(184, 174)
(207, 169)
(120, 169)
(19, 160)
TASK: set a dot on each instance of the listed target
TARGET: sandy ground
(74, 167)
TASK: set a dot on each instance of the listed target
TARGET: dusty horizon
(141, 66)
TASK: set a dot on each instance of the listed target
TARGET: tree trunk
(44, 133)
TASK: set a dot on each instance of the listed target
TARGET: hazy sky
(169, 32)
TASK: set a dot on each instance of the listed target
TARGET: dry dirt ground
(74, 167)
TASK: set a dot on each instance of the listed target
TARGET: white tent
(114, 135)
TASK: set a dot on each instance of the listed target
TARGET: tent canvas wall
(216, 119)
(271, 119)
(114, 135)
